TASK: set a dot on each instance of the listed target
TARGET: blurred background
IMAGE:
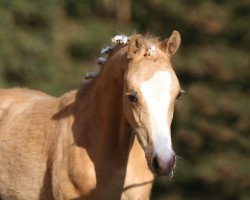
(49, 45)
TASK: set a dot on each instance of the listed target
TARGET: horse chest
(139, 178)
(138, 183)
(118, 185)
(94, 179)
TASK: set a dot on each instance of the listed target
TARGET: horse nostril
(155, 164)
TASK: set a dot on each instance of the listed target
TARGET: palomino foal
(92, 143)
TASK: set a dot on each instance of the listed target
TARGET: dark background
(50, 44)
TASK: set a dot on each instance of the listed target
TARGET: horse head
(151, 89)
(141, 67)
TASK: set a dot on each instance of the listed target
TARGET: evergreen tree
(50, 44)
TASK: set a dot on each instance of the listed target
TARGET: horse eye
(132, 97)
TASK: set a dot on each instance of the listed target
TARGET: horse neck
(100, 110)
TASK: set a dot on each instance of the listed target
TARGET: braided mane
(117, 41)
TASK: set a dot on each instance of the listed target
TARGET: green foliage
(50, 44)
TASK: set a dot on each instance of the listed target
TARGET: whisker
(171, 175)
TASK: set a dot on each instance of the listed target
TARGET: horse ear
(134, 46)
(171, 44)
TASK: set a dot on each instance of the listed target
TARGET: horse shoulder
(24, 145)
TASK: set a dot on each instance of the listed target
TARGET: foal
(105, 140)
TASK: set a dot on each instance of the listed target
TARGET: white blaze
(156, 92)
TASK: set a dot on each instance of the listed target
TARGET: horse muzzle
(163, 166)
